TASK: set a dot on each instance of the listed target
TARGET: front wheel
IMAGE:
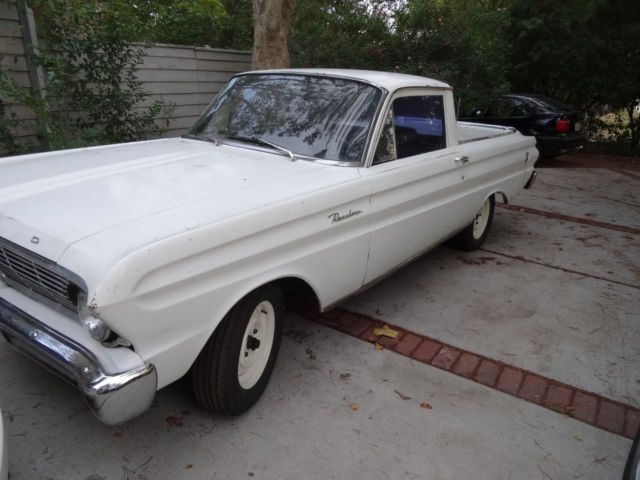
(235, 365)
(474, 234)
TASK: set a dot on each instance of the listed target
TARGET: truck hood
(150, 190)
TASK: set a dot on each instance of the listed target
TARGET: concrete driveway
(517, 361)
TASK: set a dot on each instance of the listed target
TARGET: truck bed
(471, 132)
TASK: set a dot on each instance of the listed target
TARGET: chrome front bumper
(113, 397)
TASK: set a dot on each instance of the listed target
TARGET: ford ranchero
(126, 267)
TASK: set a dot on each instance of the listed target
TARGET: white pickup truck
(125, 267)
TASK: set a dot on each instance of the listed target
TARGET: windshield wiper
(260, 141)
(202, 138)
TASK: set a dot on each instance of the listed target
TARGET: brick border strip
(568, 218)
(588, 407)
(622, 171)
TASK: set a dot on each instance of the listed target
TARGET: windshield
(312, 116)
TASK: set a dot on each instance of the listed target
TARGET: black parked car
(557, 127)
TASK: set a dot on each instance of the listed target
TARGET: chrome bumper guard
(113, 398)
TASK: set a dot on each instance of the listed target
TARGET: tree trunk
(271, 23)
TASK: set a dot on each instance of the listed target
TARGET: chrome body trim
(113, 397)
(503, 132)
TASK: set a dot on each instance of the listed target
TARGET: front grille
(26, 270)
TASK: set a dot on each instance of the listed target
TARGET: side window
(386, 150)
(517, 108)
(415, 125)
(510, 107)
(419, 124)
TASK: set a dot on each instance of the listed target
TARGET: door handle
(463, 159)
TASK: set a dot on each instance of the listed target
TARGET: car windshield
(310, 116)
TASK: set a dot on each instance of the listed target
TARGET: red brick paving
(632, 424)
(426, 350)
(510, 380)
(446, 357)
(466, 365)
(587, 407)
(488, 372)
(533, 388)
(559, 398)
(610, 416)
(358, 327)
(407, 344)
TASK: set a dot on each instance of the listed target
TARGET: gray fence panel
(12, 56)
(186, 76)
(189, 77)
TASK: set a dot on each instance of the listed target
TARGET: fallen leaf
(118, 435)
(189, 466)
(578, 436)
(344, 376)
(426, 405)
(354, 406)
(379, 347)
(174, 421)
(402, 396)
(386, 331)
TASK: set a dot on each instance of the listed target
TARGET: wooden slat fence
(12, 55)
(187, 76)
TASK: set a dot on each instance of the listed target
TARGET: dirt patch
(586, 159)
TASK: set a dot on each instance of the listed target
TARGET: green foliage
(583, 52)
(341, 34)
(166, 21)
(214, 23)
(459, 42)
(92, 95)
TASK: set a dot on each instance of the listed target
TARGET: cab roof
(387, 80)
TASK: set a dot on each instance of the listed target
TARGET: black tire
(220, 382)
(474, 234)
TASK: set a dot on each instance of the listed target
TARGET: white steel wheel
(256, 344)
(474, 234)
(481, 220)
(235, 365)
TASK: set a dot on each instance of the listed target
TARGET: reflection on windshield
(326, 118)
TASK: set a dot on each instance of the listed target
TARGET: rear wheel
(474, 235)
(235, 365)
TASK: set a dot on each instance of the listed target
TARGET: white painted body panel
(169, 234)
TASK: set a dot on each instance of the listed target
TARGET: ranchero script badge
(337, 217)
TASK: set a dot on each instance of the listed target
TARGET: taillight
(563, 126)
